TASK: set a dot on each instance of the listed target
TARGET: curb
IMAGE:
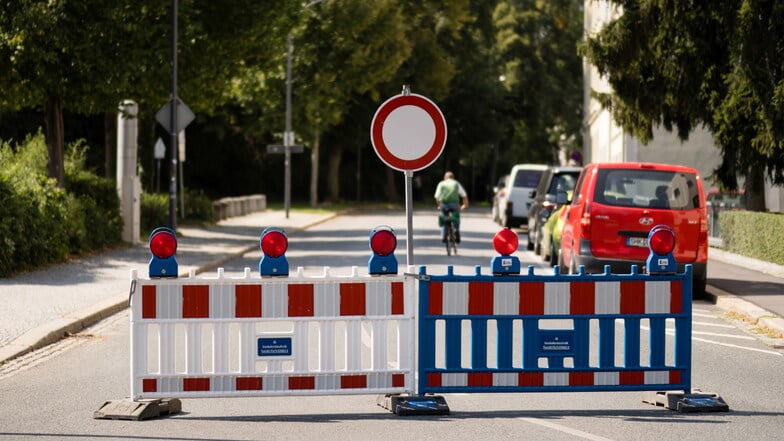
(759, 317)
(76, 321)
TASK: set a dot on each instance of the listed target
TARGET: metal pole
(409, 219)
(409, 204)
(173, 120)
(288, 134)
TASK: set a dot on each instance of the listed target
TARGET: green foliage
(740, 231)
(41, 223)
(154, 211)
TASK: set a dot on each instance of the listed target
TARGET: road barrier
(411, 336)
(537, 333)
(252, 336)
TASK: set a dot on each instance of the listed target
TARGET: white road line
(779, 354)
(564, 429)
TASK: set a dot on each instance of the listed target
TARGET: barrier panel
(551, 333)
(254, 336)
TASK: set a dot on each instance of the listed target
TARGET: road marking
(738, 347)
(564, 429)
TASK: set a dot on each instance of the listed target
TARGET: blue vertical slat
(606, 342)
(453, 344)
(427, 337)
(505, 344)
(478, 343)
(657, 342)
(631, 343)
(530, 351)
(683, 330)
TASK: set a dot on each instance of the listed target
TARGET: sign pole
(409, 219)
(173, 128)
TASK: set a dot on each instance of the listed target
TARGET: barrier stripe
(202, 301)
(272, 383)
(555, 298)
(541, 379)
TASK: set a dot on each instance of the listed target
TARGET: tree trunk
(754, 189)
(110, 143)
(391, 191)
(333, 173)
(314, 163)
(55, 144)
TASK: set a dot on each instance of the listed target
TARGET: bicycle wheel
(449, 232)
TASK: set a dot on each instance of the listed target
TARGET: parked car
(616, 204)
(523, 178)
(551, 233)
(499, 191)
(554, 180)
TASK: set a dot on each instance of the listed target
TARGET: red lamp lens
(662, 241)
(383, 242)
(505, 242)
(163, 244)
(274, 243)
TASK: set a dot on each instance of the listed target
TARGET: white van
(523, 179)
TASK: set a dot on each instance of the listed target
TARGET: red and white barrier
(253, 336)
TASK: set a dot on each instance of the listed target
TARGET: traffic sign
(278, 148)
(184, 116)
(408, 132)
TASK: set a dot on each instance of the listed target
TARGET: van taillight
(585, 221)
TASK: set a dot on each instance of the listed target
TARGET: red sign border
(376, 131)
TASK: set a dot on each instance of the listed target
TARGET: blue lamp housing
(382, 244)
(273, 243)
(505, 265)
(163, 245)
(661, 242)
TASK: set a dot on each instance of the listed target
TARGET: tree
(347, 49)
(536, 43)
(720, 64)
(87, 55)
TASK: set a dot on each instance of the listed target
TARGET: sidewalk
(43, 306)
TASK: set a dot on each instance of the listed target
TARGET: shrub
(41, 223)
(753, 234)
(154, 211)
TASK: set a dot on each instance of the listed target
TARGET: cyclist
(449, 194)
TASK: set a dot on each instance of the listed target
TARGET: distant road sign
(184, 116)
(408, 132)
(278, 148)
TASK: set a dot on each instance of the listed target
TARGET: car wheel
(698, 288)
(533, 240)
(554, 259)
(572, 265)
(496, 217)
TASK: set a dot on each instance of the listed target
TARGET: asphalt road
(52, 393)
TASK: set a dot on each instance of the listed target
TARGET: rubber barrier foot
(127, 409)
(403, 405)
(697, 401)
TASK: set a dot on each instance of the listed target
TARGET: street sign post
(408, 133)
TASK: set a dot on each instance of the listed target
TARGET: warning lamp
(661, 242)
(505, 243)
(382, 243)
(163, 245)
(273, 243)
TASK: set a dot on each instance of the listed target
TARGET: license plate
(637, 242)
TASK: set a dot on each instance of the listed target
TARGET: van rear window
(527, 178)
(647, 189)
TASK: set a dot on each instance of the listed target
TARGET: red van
(615, 205)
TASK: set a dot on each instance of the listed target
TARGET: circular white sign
(408, 132)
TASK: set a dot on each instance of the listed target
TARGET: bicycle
(449, 218)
